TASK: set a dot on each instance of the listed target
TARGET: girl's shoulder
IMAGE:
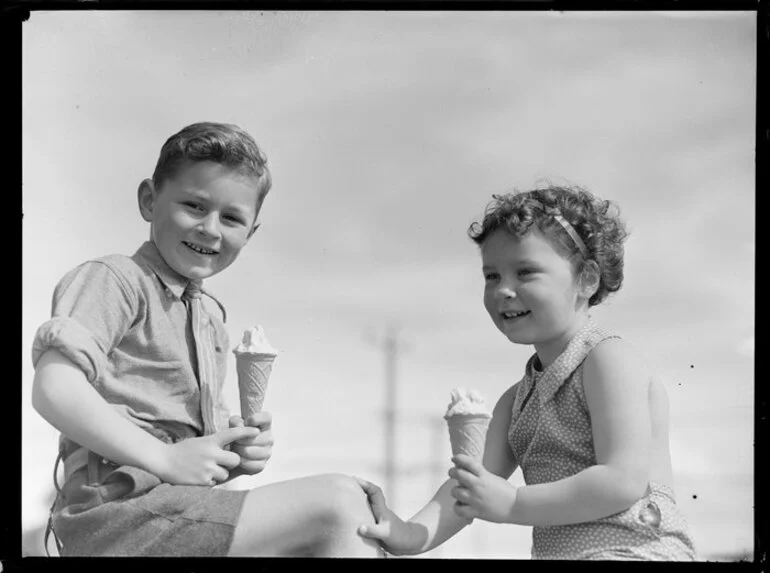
(616, 361)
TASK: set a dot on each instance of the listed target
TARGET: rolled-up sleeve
(93, 307)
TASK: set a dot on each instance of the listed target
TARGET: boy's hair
(596, 221)
(222, 143)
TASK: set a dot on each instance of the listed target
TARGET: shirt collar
(174, 283)
(169, 278)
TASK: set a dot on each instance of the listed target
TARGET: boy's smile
(201, 217)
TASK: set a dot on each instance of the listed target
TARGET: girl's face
(531, 292)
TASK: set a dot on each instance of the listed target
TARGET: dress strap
(568, 361)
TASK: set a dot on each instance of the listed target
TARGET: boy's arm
(616, 384)
(63, 396)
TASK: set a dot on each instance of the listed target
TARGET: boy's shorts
(108, 510)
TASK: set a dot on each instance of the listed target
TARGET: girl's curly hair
(596, 221)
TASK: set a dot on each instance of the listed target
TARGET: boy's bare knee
(346, 502)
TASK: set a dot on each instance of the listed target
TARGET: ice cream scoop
(254, 358)
(468, 420)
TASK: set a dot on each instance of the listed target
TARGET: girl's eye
(490, 276)
(193, 206)
(526, 272)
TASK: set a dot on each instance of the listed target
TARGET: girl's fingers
(376, 499)
(465, 511)
(377, 531)
(461, 494)
(463, 462)
(463, 477)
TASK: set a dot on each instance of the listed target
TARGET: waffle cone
(253, 376)
(467, 434)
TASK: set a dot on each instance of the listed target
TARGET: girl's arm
(438, 521)
(63, 396)
(616, 384)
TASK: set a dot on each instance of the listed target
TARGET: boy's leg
(316, 516)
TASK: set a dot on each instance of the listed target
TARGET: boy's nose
(209, 225)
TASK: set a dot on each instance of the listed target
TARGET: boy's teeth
(200, 249)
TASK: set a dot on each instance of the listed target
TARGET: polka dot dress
(550, 436)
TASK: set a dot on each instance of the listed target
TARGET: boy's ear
(253, 230)
(589, 279)
(145, 195)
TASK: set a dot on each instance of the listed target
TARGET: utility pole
(391, 348)
(391, 345)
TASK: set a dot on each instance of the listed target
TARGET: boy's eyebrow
(519, 263)
(205, 196)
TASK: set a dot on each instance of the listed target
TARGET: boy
(129, 369)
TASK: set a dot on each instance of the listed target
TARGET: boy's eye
(526, 272)
(491, 276)
(193, 206)
(234, 219)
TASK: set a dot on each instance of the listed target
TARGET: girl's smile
(531, 292)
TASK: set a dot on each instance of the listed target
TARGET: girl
(588, 422)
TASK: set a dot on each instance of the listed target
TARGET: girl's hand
(257, 450)
(203, 461)
(394, 534)
(480, 493)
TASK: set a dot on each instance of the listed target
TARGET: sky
(387, 133)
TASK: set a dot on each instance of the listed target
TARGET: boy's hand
(257, 450)
(480, 493)
(394, 534)
(204, 460)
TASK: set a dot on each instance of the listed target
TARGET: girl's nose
(506, 292)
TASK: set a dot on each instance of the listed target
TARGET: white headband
(572, 233)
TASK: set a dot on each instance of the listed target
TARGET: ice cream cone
(253, 376)
(254, 358)
(467, 434)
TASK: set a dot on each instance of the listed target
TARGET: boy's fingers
(229, 460)
(236, 421)
(263, 420)
(230, 435)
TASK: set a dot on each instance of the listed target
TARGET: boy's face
(201, 217)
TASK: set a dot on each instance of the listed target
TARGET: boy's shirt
(123, 322)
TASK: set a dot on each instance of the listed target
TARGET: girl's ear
(146, 197)
(589, 279)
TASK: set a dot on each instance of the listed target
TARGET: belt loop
(93, 468)
(49, 525)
